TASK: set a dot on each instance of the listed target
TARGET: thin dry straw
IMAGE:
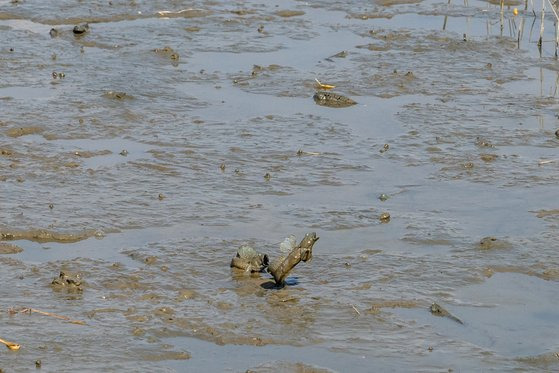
(502, 15)
(556, 27)
(541, 27)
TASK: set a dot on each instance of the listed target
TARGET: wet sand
(140, 154)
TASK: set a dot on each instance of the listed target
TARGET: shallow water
(130, 193)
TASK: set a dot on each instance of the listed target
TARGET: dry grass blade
(78, 322)
(323, 86)
(12, 346)
(61, 317)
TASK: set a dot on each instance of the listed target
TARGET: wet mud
(136, 155)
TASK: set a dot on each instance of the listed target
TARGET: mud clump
(332, 100)
(171, 355)
(378, 306)
(42, 236)
(284, 366)
(23, 131)
(66, 281)
(488, 157)
(6, 248)
(489, 243)
(289, 13)
(185, 13)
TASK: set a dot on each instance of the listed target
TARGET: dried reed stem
(11, 345)
(541, 27)
(61, 317)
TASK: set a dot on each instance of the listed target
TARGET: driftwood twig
(281, 268)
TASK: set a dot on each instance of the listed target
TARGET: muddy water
(143, 169)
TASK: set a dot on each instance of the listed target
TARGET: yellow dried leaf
(13, 346)
(324, 86)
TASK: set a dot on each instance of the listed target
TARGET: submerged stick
(11, 345)
(66, 318)
(281, 268)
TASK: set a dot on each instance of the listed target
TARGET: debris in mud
(70, 282)
(81, 29)
(301, 152)
(488, 157)
(332, 100)
(42, 236)
(167, 52)
(249, 260)
(488, 243)
(184, 13)
(23, 131)
(281, 267)
(483, 143)
(6, 248)
(115, 95)
(378, 306)
(289, 13)
(165, 356)
(370, 15)
(437, 310)
(285, 366)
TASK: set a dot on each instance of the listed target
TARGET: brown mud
(118, 133)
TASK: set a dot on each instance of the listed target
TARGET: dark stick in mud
(303, 252)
